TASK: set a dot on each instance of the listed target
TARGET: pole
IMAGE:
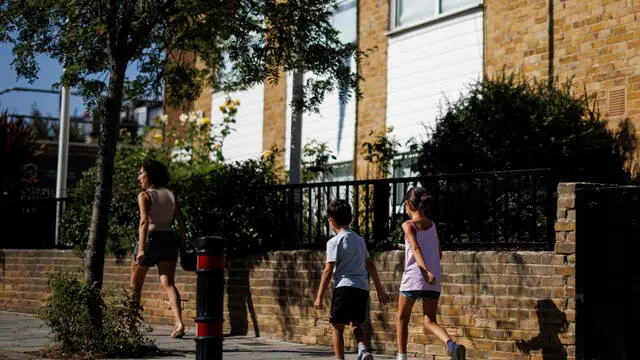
(295, 155)
(63, 155)
(209, 297)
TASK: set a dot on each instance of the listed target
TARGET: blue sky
(21, 102)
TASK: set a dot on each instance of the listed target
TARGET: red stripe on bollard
(210, 262)
(209, 329)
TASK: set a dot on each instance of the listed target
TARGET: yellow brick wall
(596, 43)
(516, 37)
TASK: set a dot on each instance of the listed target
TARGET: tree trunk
(94, 256)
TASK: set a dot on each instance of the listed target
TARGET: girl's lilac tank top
(412, 278)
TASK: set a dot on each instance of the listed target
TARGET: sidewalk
(22, 334)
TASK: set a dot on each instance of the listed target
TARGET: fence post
(209, 297)
(381, 195)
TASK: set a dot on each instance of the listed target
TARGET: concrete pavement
(22, 334)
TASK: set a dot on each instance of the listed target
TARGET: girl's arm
(143, 229)
(182, 226)
(410, 235)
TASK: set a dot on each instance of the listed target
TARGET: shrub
(510, 123)
(67, 313)
(228, 200)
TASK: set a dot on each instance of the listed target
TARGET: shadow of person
(552, 322)
(240, 302)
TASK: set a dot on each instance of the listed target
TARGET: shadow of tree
(552, 323)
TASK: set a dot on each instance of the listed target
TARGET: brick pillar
(275, 115)
(565, 227)
(373, 21)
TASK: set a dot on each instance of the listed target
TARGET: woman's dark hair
(157, 172)
(418, 197)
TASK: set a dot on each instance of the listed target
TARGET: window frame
(395, 28)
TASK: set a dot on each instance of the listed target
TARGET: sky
(20, 103)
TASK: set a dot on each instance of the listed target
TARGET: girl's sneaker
(459, 352)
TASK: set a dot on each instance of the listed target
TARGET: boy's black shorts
(348, 304)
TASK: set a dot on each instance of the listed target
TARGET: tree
(240, 42)
(509, 123)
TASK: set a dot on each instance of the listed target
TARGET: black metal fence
(29, 223)
(493, 210)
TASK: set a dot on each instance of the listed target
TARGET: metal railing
(29, 223)
(491, 210)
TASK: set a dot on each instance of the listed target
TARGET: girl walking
(421, 278)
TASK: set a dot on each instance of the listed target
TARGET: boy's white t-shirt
(349, 251)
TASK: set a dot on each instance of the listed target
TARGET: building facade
(424, 53)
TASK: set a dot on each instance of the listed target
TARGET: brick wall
(371, 111)
(516, 37)
(594, 42)
(598, 43)
(493, 302)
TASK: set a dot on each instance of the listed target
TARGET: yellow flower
(205, 121)
(157, 137)
(232, 107)
(217, 146)
(237, 102)
(222, 108)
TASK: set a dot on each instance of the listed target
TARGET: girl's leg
(429, 307)
(138, 273)
(402, 322)
(167, 270)
(338, 340)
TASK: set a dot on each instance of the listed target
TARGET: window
(409, 12)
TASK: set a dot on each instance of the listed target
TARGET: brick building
(423, 52)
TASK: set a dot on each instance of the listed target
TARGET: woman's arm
(143, 229)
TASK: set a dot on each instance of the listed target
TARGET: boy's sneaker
(365, 355)
(458, 352)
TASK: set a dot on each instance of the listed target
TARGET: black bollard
(209, 297)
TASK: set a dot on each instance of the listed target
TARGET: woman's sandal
(177, 334)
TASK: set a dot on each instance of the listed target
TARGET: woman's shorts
(161, 246)
(421, 294)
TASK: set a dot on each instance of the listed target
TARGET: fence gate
(607, 272)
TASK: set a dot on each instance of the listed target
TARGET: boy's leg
(361, 341)
(338, 340)
(430, 307)
(405, 305)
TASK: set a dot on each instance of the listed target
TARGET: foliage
(240, 43)
(66, 312)
(19, 147)
(381, 151)
(199, 139)
(315, 161)
(218, 199)
(509, 123)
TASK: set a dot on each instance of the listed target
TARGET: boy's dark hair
(157, 172)
(340, 211)
(417, 197)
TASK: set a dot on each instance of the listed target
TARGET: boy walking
(349, 262)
